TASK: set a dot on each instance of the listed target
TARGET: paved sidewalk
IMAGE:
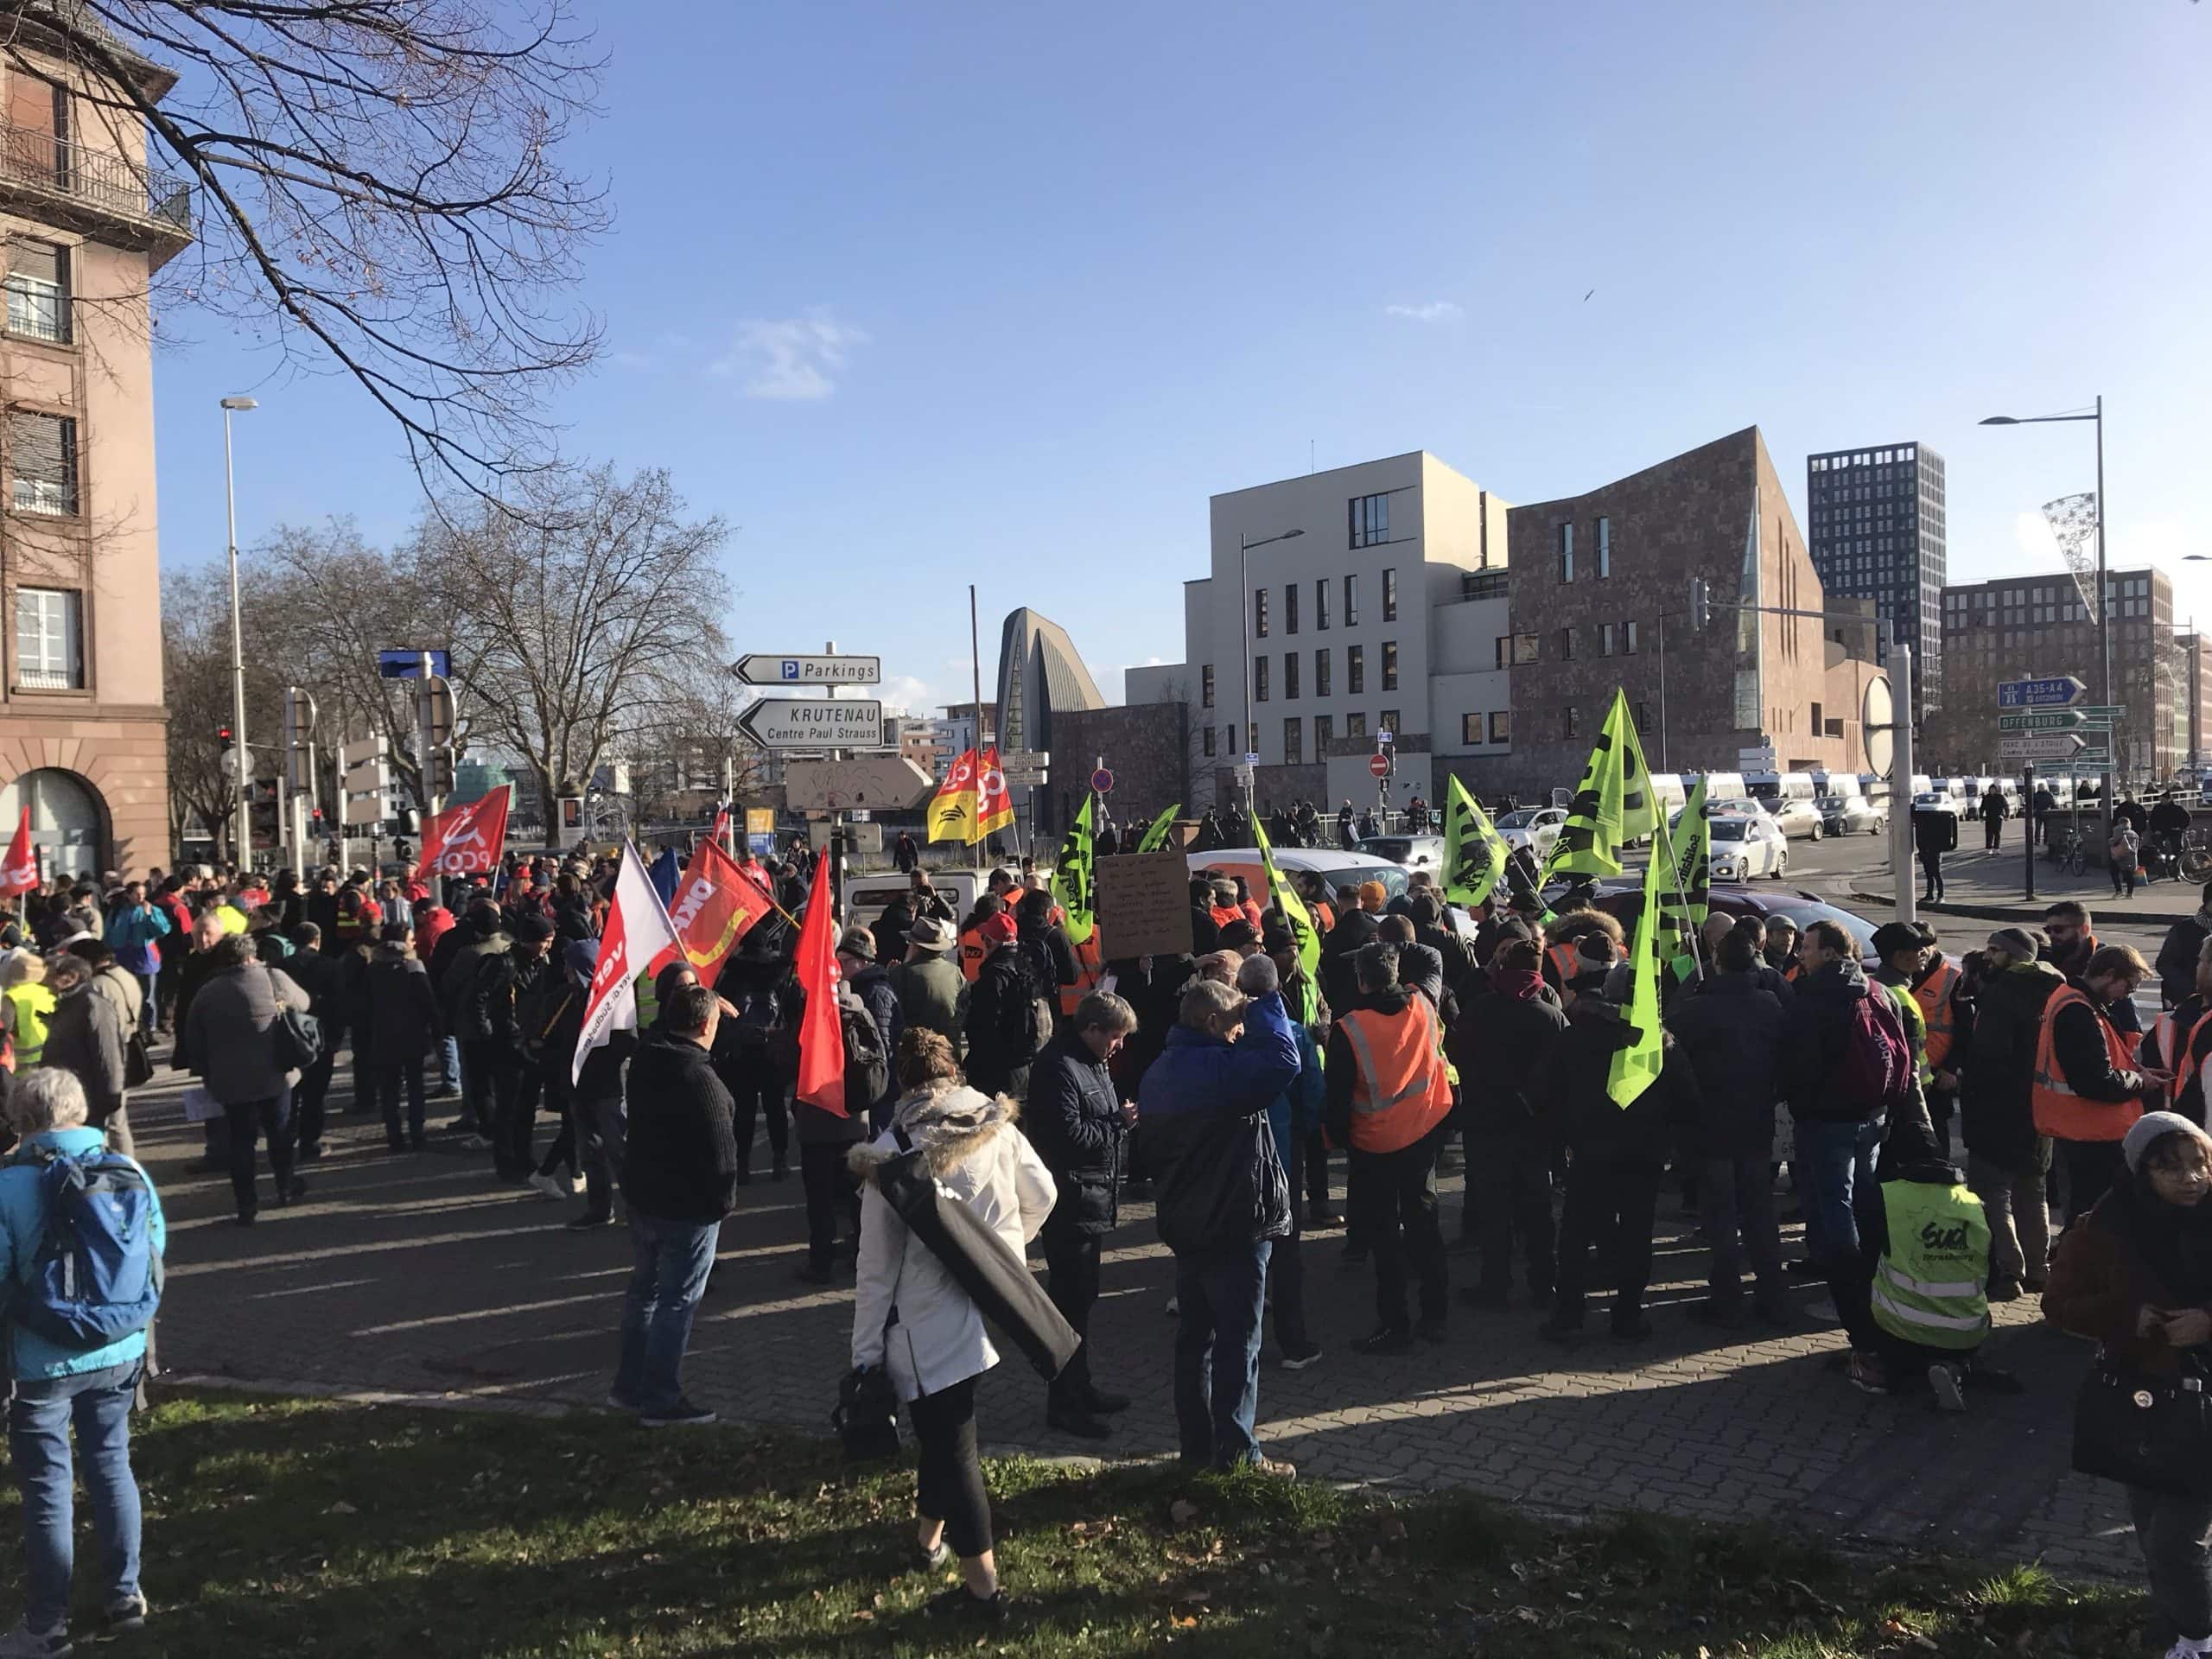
(1992, 885)
(416, 1275)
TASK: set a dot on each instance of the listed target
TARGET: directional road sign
(2050, 746)
(768, 668)
(2103, 710)
(875, 783)
(403, 664)
(815, 723)
(2056, 693)
(2046, 720)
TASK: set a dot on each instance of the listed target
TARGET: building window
(1604, 549)
(1321, 605)
(1390, 595)
(1290, 677)
(1390, 719)
(1324, 729)
(1631, 638)
(1205, 688)
(1293, 741)
(1567, 552)
(1259, 679)
(1819, 726)
(1501, 726)
(1355, 725)
(1573, 721)
(1566, 644)
(1524, 648)
(1371, 521)
(38, 291)
(1355, 669)
(1321, 672)
(49, 652)
(43, 462)
(1643, 717)
(1389, 665)
(1259, 613)
(1210, 741)
(1290, 607)
(1233, 749)
(1604, 639)
(1504, 650)
(1352, 601)
(1470, 730)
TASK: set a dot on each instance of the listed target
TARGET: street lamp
(2104, 599)
(243, 829)
(1245, 546)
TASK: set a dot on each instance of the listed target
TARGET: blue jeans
(449, 1065)
(1218, 1298)
(99, 1404)
(1837, 1163)
(150, 1015)
(673, 1258)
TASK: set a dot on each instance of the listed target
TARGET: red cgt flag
(821, 1037)
(716, 904)
(20, 873)
(466, 840)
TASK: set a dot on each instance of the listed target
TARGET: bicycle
(2070, 850)
(2196, 855)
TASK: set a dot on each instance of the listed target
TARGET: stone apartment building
(84, 225)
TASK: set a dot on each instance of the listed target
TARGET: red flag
(20, 873)
(637, 929)
(716, 904)
(993, 806)
(722, 836)
(821, 1037)
(466, 840)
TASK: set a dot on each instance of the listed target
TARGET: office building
(84, 225)
(1874, 520)
(2033, 627)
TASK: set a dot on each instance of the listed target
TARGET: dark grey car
(1850, 815)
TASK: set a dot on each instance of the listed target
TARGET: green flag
(1285, 899)
(1156, 837)
(1075, 876)
(1684, 904)
(1474, 853)
(1636, 1067)
(1613, 807)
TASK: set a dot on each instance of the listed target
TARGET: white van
(867, 895)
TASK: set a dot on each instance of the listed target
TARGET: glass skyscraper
(1874, 525)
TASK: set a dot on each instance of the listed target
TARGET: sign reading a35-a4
(2057, 692)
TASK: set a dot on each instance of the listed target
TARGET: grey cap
(2155, 1126)
(2026, 943)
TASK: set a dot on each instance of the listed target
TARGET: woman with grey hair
(57, 1386)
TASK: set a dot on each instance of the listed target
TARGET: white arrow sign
(2045, 746)
(766, 668)
(813, 723)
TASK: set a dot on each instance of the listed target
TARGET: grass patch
(277, 1525)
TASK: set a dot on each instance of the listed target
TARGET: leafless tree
(575, 616)
(381, 188)
(196, 673)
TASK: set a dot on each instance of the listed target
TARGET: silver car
(1850, 815)
(1415, 851)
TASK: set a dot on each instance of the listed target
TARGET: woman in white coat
(912, 1317)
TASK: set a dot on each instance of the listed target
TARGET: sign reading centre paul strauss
(813, 723)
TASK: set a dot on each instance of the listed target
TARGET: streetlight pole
(2104, 599)
(242, 829)
(1245, 546)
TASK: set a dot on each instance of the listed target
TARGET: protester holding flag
(1157, 832)
(842, 1069)
(1613, 807)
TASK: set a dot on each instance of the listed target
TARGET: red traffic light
(223, 733)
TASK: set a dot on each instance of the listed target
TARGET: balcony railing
(99, 181)
(1485, 584)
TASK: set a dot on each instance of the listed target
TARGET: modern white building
(1364, 598)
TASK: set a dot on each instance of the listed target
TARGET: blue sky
(923, 296)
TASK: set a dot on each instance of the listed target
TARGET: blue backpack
(97, 1277)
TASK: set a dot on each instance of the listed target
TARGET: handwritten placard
(1144, 905)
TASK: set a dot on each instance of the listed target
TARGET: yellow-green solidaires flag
(1286, 899)
(1613, 807)
(1156, 837)
(1075, 876)
(1636, 1067)
(1684, 904)
(1474, 853)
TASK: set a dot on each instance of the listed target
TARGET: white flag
(638, 930)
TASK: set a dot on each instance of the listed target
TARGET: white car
(1746, 845)
(1794, 818)
(1533, 827)
(1422, 852)
(1934, 800)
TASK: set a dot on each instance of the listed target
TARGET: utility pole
(1901, 774)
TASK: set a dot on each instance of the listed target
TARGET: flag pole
(976, 667)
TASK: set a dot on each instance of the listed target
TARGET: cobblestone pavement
(416, 1275)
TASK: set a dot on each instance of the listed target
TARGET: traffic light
(268, 819)
(223, 735)
(1700, 604)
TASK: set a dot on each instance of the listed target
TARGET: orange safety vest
(1565, 959)
(2179, 1058)
(1089, 969)
(1934, 995)
(1224, 914)
(1399, 1091)
(972, 952)
(2058, 1110)
(1324, 914)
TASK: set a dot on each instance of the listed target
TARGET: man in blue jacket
(1296, 1115)
(1222, 1202)
(56, 1387)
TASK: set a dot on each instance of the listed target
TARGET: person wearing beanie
(1008, 1019)
(2136, 1275)
(2087, 1091)
(1617, 1154)
(1387, 1100)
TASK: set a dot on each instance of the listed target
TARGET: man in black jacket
(1076, 1125)
(1732, 1031)
(866, 978)
(2006, 1159)
(2176, 963)
(1002, 1019)
(317, 974)
(1509, 1022)
(679, 1173)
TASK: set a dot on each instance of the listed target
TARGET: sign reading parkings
(770, 668)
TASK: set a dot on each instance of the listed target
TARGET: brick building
(1147, 745)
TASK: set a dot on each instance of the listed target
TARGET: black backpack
(867, 1067)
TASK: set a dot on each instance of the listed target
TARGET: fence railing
(100, 179)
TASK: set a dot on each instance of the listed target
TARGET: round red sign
(1379, 765)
